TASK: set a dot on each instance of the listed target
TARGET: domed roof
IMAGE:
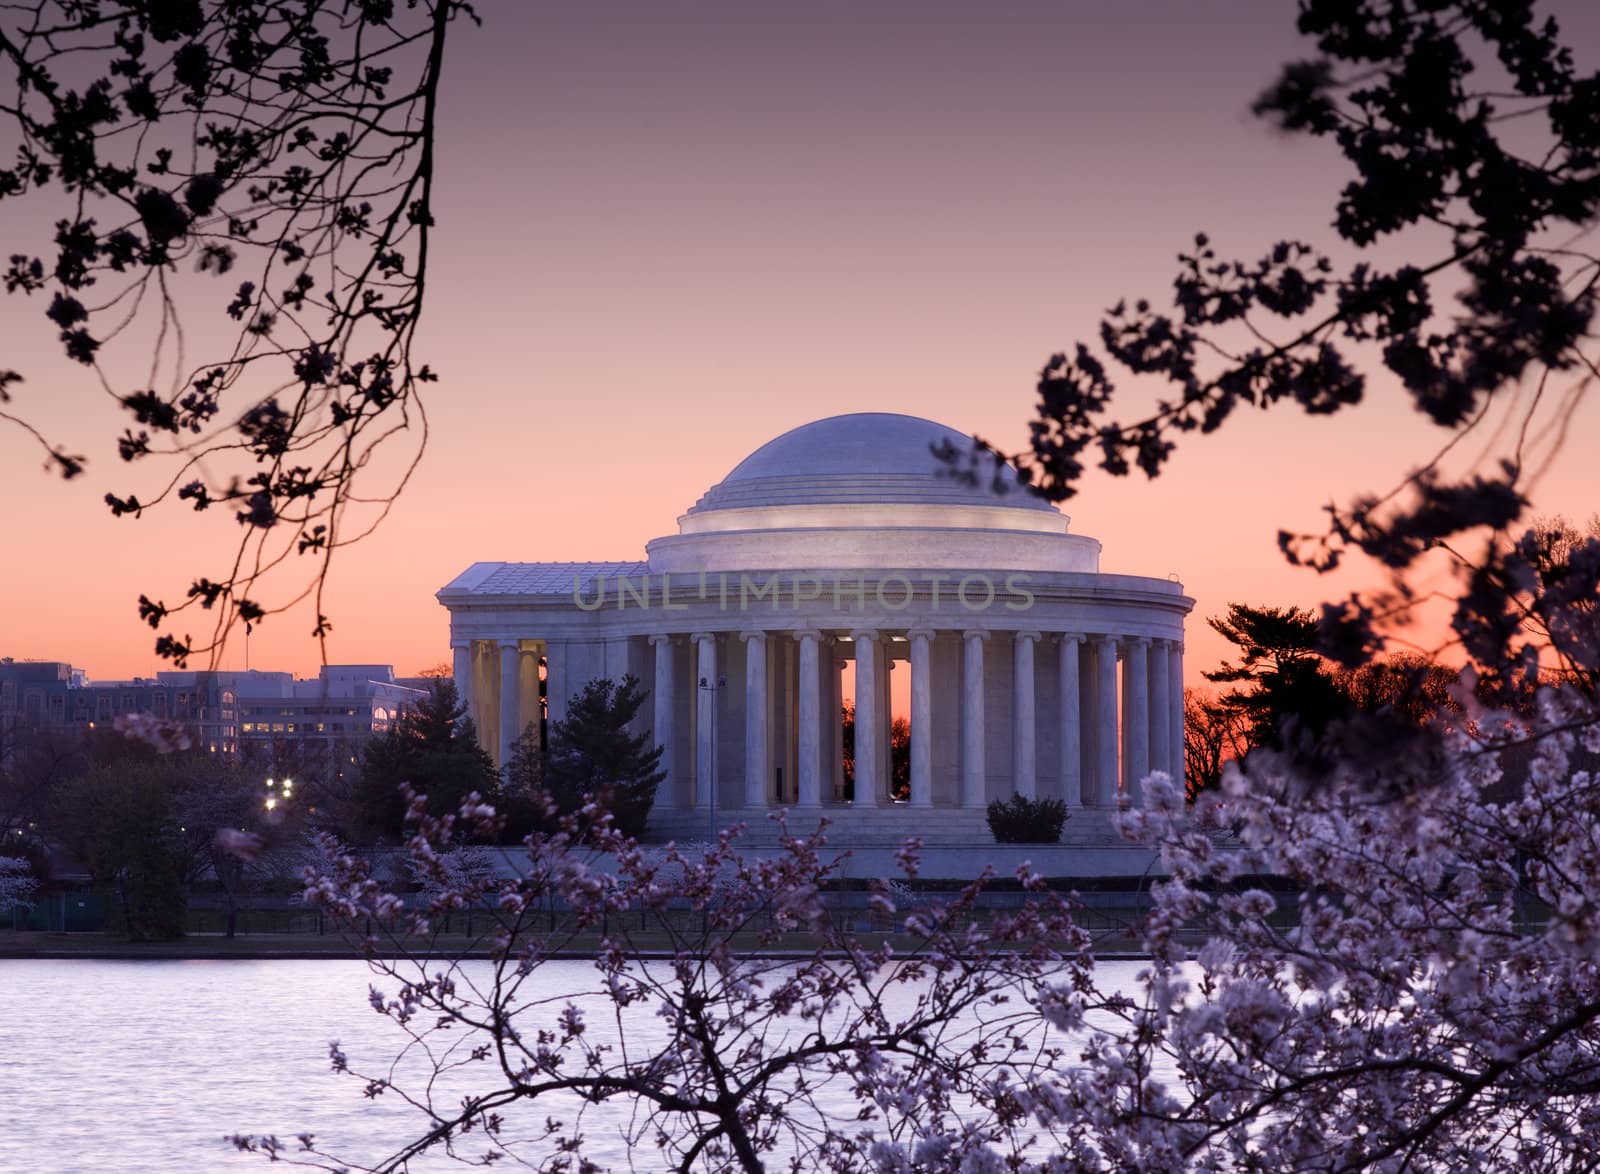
(866, 458)
(869, 491)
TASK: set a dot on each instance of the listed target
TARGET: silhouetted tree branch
(287, 149)
(1483, 188)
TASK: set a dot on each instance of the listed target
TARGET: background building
(341, 702)
(230, 712)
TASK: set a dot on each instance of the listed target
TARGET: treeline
(1290, 692)
(1287, 696)
(151, 819)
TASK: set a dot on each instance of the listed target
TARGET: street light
(285, 786)
(712, 689)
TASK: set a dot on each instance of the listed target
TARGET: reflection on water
(144, 1067)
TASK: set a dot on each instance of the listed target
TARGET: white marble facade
(831, 559)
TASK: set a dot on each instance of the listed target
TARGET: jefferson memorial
(833, 560)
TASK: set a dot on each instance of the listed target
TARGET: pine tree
(1286, 675)
(525, 770)
(435, 749)
(522, 797)
(592, 754)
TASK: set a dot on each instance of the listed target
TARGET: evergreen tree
(592, 754)
(434, 748)
(525, 770)
(1285, 675)
(1294, 699)
(522, 800)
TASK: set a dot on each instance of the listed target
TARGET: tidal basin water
(136, 1067)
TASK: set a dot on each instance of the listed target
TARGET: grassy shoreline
(42, 945)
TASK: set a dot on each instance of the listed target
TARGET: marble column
(510, 702)
(885, 713)
(808, 752)
(485, 711)
(1175, 702)
(1105, 670)
(705, 740)
(785, 711)
(1135, 719)
(461, 669)
(921, 718)
(1160, 709)
(1024, 736)
(974, 782)
(757, 752)
(836, 720)
(1071, 767)
(869, 784)
(662, 734)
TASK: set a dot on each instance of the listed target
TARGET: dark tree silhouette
(594, 757)
(1558, 601)
(1475, 146)
(1214, 734)
(118, 819)
(523, 800)
(1411, 688)
(899, 754)
(285, 149)
(35, 762)
(433, 748)
(1283, 676)
(524, 773)
(145, 826)
(1289, 698)
(900, 758)
(847, 716)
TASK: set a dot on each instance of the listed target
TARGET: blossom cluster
(1343, 973)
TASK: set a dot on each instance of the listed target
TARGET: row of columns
(517, 692)
(1148, 722)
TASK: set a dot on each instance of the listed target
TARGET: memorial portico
(829, 555)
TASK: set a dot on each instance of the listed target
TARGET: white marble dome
(866, 490)
(865, 457)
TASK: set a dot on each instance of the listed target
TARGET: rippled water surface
(133, 1067)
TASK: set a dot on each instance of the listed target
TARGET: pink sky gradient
(669, 232)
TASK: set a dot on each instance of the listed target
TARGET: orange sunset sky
(669, 232)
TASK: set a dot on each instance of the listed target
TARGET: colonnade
(1110, 727)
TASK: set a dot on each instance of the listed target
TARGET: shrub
(1020, 820)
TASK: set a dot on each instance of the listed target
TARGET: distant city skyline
(668, 235)
(167, 670)
(223, 712)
